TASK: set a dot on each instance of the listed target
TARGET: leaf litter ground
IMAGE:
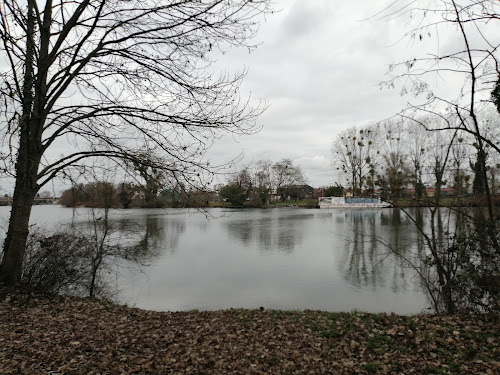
(64, 335)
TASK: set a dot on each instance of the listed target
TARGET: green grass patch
(285, 314)
(454, 366)
(378, 342)
(434, 370)
(331, 334)
(371, 367)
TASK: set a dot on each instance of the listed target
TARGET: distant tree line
(263, 182)
(399, 158)
(128, 195)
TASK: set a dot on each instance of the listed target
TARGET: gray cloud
(319, 66)
(305, 18)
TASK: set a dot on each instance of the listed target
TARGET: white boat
(353, 202)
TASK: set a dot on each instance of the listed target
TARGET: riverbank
(63, 335)
(396, 202)
(445, 202)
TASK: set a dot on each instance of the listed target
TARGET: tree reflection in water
(280, 233)
(159, 235)
(285, 258)
(362, 238)
(146, 237)
(367, 261)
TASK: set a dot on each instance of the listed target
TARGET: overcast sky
(319, 67)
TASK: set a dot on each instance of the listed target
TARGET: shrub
(55, 264)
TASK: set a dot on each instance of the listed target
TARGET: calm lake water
(286, 258)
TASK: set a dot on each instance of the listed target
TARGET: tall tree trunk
(30, 150)
(17, 234)
(24, 194)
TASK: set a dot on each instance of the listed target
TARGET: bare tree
(474, 63)
(286, 176)
(394, 155)
(417, 155)
(262, 173)
(352, 155)
(460, 152)
(466, 261)
(112, 78)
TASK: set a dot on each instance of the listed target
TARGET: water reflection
(160, 235)
(363, 241)
(147, 236)
(277, 258)
(152, 239)
(358, 264)
(242, 230)
(368, 260)
(270, 232)
(265, 236)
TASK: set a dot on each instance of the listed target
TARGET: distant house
(274, 196)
